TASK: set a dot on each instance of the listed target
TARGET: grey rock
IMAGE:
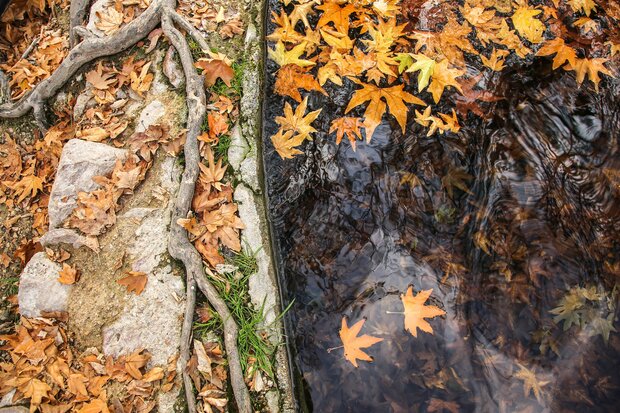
(39, 289)
(150, 115)
(153, 319)
(80, 162)
(239, 148)
(57, 236)
(84, 100)
(172, 69)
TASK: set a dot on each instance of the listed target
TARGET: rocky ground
(96, 311)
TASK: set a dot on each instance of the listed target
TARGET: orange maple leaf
(395, 97)
(348, 126)
(353, 344)
(68, 275)
(416, 311)
(590, 67)
(291, 78)
(135, 282)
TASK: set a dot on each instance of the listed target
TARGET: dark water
(504, 220)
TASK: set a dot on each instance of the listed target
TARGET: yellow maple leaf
(281, 56)
(585, 6)
(353, 344)
(416, 311)
(591, 68)
(563, 53)
(495, 61)
(394, 96)
(525, 21)
(109, 21)
(298, 122)
(286, 144)
(444, 76)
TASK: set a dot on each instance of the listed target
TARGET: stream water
(507, 220)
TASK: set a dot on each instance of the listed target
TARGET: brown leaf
(214, 69)
(135, 282)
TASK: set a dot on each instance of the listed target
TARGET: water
(535, 182)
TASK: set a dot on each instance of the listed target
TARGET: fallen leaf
(353, 344)
(416, 311)
(135, 282)
(68, 275)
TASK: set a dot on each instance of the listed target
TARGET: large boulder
(39, 289)
(80, 162)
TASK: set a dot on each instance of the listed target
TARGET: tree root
(77, 14)
(92, 47)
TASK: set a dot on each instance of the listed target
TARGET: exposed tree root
(92, 47)
(77, 12)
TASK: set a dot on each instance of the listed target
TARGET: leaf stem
(329, 350)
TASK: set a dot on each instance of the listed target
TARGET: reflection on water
(513, 224)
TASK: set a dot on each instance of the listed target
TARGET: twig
(30, 48)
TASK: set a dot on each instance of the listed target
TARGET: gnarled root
(179, 246)
(77, 13)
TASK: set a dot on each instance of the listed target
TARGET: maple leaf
(109, 21)
(285, 32)
(284, 57)
(591, 68)
(455, 178)
(437, 405)
(333, 13)
(416, 311)
(530, 383)
(444, 76)
(286, 144)
(68, 275)
(353, 344)
(563, 53)
(135, 281)
(585, 6)
(216, 68)
(297, 121)
(348, 126)
(28, 186)
(212, 175)
(36, 390)
(394, 96)
(301, 12)
(99, 79)
(291, 78)
(425, 65)
(141, 82)
(527, 25)
(495, 61)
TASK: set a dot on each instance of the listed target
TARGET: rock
(80, 162)
(153, 319)
(14, 409)
(238, 148)
(172, 69)
(39, 289)
(82, 102)
(67, 236)
(150, 115)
